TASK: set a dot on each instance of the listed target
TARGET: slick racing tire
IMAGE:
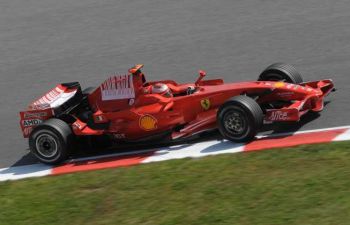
(89, 90)
(51, 142)
(281, 72)
(239, 119)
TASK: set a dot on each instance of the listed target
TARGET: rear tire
(281, 72)
(88, 90)
(52, 141)
(239, 119)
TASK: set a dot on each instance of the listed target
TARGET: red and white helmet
(162, 89)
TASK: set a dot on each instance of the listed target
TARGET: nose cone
(296, 88)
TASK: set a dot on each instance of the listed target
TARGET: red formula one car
(127, 108)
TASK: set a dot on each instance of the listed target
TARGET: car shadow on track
(27, 159)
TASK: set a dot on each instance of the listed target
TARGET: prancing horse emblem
(205, 103)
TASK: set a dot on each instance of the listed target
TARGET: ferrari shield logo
(205, 103)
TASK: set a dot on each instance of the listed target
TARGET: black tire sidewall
(276, 73)
(62, 148)
(250, 129)
(284, 71)
(88, 90)
(243, 113)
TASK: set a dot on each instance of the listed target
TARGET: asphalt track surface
(44, 42)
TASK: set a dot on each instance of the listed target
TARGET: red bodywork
(127, 109)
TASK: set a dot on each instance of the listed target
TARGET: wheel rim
(234, 122)
(46, 145)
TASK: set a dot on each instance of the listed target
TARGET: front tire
(281, 72)
(239, 119)
(51, 142)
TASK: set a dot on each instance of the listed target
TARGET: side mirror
(202, 74)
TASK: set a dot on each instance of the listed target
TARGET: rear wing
(53, 103)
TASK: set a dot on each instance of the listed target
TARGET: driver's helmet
(162, 89)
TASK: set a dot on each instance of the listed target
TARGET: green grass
(303, 185)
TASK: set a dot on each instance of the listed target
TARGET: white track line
(343, 137)
(195, 150)
(21, 172)
(304, 132)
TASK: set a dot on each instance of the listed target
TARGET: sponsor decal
(278, 115)
(279, 84)
(30, 123)
(34, 115)
(290, 86)
(77, 125)
(285, 94)
(148, 122)
(118, 87)
(131, 101)
(50, 97)
(27, 131)
(205, 103)
(119, 136)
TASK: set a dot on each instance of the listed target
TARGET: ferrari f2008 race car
(128, 108)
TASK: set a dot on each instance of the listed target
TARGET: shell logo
(148, 122)
(279, 84)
